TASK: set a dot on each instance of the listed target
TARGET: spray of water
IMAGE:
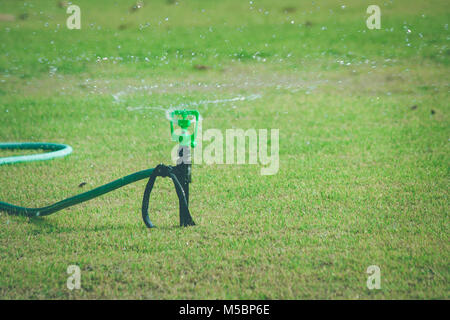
(191, 104)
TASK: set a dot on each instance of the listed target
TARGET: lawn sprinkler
(180, 174)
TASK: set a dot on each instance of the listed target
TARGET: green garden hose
(60, 151)
(180, 174)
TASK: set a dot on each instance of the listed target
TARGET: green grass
(363, 177)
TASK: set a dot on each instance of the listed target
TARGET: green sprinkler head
(184, 120)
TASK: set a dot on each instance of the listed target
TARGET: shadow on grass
(163, 227)
(45, 226)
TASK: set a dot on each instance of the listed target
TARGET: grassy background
(364, 148)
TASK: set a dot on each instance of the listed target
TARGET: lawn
(364, 132)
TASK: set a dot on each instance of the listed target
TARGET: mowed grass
(364, 149)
